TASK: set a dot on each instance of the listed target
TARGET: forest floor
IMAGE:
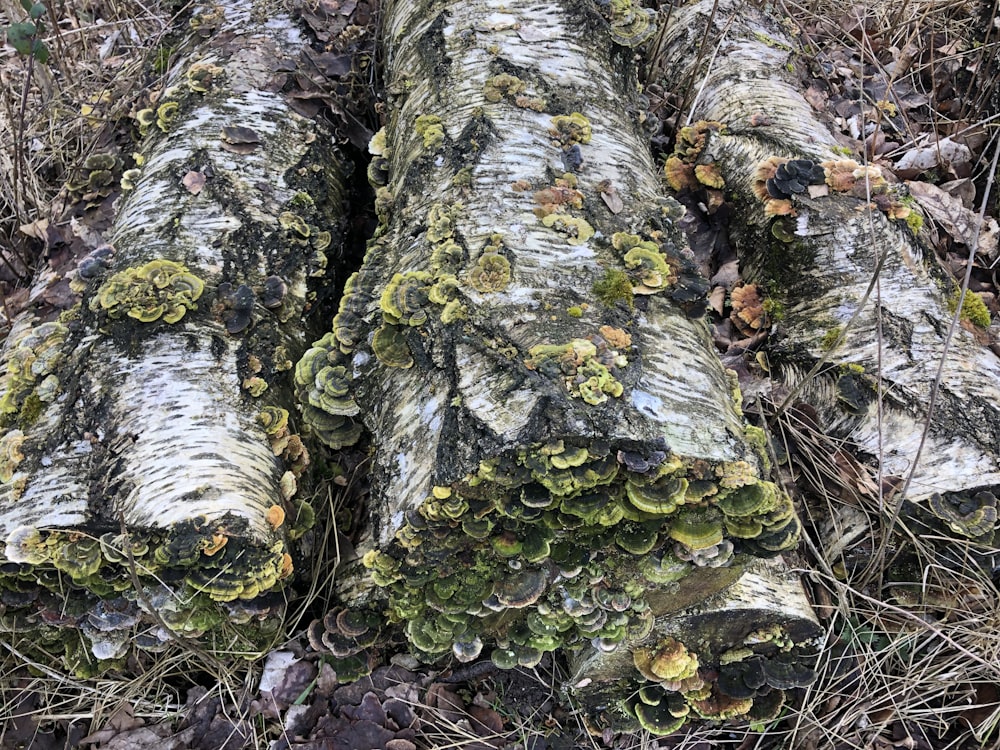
(901, 82)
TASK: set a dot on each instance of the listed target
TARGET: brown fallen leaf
(194, 182)
(611, 198)
(240, 140)
(957, 220)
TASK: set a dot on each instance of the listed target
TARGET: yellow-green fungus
(200, 76)
(159, 289)
(968, 516)
(571, 129)
(751, 499)
(650, 269)
(697, 528)
(390, 347)
(10, 454)
(430, 129)
(668, 661)
(576, 229)
(404, 298)
(446, 257)
(491, 273)
(273, 419)
(501, 86)
(630, 23)
(658, 498)
(441, 221)
(292, 222)
(165, 115)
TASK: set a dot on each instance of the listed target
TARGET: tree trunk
(143, 436)
(560, 456)
(817, 254)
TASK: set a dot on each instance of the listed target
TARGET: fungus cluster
(10, 454)
(505, 86)
(158, 290)
(322, 384)
(777, 181)
(691, 165)
(208, 563)
(747, 682)
(200, 76)
(431, 131)
(30, 380)
(973, 516)
(629, 23)
(345, 633)
(162, 117)
(492, 270)
(555, 544)
(588, 367)
(298, 231)
(650, 267)
(96, 179)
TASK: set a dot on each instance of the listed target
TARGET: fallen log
(148, 469)
(815, 229)
(560, 457)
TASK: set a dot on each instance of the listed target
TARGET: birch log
(555, 439)
(814, 245)
(142, 428)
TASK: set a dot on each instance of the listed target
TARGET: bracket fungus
(158, 290)
(970, 515)
(749, 682)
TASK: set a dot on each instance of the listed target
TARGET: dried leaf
(611, 198)
(38, 229)
(194, 182)
(239, 134)
(957, 220)
(485, 721)
(717, 299)
(944, 151)
(816, 98)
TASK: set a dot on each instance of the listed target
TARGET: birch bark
(560, 457)
(149, 415)
(821, 261)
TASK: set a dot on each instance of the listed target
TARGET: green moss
(575, 312)
(462, 178)
(830, 338)
(613, 287)
(774, 308)
(31, 409)
(974, 310)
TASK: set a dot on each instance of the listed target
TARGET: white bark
(476, 418)
(822, 276)
(152, 425)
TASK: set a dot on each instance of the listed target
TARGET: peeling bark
(167, 435)
(554, 453)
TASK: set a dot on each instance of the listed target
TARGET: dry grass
(52, 116)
